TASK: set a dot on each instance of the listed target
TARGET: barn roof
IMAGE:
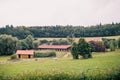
(25, 52)
(54, 46)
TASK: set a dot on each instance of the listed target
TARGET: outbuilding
(25, 53)
(55, 47)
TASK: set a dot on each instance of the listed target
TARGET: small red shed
(25, 53)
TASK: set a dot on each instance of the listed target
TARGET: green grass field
(99, 60)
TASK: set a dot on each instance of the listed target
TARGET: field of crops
(102, 65)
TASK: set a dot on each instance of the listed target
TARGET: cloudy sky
(59, 12)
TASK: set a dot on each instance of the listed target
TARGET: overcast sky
(58, 12)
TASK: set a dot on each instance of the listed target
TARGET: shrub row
(95, 74)
(44, 54)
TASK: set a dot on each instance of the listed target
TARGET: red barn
(55, 47)
(25, 53)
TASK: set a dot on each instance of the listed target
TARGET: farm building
(55, 47)
(25, 53)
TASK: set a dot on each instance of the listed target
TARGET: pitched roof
(54, 46)
(25, 52)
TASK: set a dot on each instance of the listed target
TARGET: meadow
(108, 37)
(105, 64)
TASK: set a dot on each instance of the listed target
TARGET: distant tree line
(59, 31)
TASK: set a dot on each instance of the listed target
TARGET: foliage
(14, 56)
(44, 54)
(43, 41)
(59, 42)
(84, 48)
(110, 43)
(59, 31)
(29, 40)
(55, 42)
(74, 50)
(119, 43)
(97, 46)
(23, 45)
(8, 44)
(28, 43)
(94, 74)
(106, 42)
(35, 44)
(112, 46)
(70, 39)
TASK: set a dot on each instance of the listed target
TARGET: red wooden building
(55, 47)
(25, 53)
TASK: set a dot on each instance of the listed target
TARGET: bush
(98, 46)
(13, 57)
(45, 54)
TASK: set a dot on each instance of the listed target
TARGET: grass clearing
(99, 60)
(4, 58)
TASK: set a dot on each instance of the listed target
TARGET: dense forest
(59, 31)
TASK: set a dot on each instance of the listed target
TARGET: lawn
(99, 60)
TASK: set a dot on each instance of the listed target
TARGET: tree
(8, 44)
(23, 45)
(119, 43)
(84, 48)
(29, 41)
(70, 39)
(113, 45)
(35, 44)
(74, 51)
(98, 46)
(59, 42)
(43, 41)
(106, 42)
(60, 31)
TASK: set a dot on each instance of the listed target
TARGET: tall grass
(94, 74)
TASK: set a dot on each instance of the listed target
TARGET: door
(28, 56)
(19, 56)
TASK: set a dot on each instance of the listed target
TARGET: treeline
(59, 31)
